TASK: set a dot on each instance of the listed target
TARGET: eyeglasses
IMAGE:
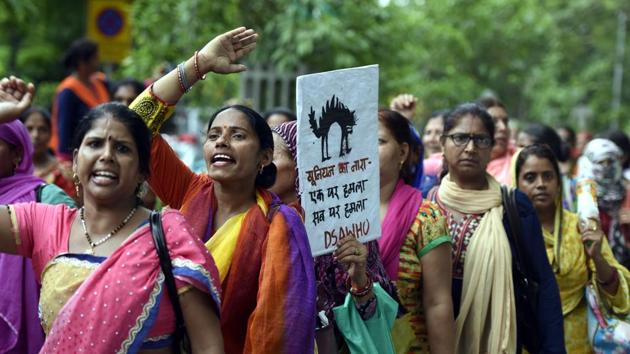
(461, 139)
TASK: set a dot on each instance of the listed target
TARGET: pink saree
(118, 306)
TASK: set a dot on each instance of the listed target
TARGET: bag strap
(39, 192)
(511, 209)
(157, 231)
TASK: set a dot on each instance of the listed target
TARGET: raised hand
(353, 255)
(404, 104)
(592, 240)
(15, 98)
(223, 52)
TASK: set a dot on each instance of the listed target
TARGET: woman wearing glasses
(484, 287)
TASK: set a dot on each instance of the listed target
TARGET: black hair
(282, 111)
(400, 128)
(544, 134)
(467, 109)
(137, 85)
(267, 178)
(43, 112)
(80, 50)
(542, 151)
(472, 109)
(490, 101)
(621, 140)
(130, 119)
(439, 114)
(571, 139)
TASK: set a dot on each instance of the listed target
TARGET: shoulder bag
(181, 342)
(525, 288)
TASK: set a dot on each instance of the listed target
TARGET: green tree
(34, 35)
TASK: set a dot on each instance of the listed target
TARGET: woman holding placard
(259, 245)
(483, 280)
(351, 266)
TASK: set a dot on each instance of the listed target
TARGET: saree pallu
(20, 331)
(269, 291)
(118, 305)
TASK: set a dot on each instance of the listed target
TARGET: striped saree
(269, 290)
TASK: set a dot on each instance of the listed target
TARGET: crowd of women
(481, 253)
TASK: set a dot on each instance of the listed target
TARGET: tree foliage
(542, 58)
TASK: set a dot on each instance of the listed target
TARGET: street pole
(618, 71)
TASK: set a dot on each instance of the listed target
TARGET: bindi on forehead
(110, 129)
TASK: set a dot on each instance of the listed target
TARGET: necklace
(109, 235)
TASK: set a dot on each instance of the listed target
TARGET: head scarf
(20, 187)
(18, 308)
(288, 132)
(609, 179)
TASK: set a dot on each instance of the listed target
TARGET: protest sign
(337, 156)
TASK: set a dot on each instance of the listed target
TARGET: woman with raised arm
(486, 295)
(574, 254)
(259, 244)
(20, 330)
(102, 287)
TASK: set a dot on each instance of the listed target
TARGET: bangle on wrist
(360, 292)
(159, 99)
(181, 78)
(196, 62)
(610, 281)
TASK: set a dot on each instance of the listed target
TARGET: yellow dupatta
(564, 251)
(223, 243)
(570, 267)
(487, 317)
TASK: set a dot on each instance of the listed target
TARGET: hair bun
(267, 178)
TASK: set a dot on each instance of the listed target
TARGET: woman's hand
(404, 104)
(624, 216)
(221, 54)
(592, 240)
(353, 255)
(15, 98)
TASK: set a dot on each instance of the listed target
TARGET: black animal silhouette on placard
(333, 112)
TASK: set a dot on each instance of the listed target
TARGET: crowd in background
(482, 247)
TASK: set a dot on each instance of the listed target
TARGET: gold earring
(77, 183)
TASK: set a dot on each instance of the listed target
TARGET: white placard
(337, 153)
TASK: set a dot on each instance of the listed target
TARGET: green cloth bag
(374, 335)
